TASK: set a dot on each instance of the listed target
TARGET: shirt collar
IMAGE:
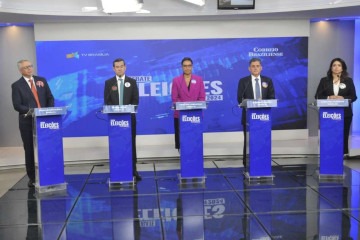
(253, 78)
(27, 79)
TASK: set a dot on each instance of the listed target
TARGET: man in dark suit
(253, 87)
(123, 90)
(27, 93)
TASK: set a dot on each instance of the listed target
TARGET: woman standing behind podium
(338, 85)
(186, 88)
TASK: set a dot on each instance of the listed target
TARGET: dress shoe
(31, 183)
(137, 177)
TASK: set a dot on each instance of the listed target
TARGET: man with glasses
(186, 87)
(29, 92)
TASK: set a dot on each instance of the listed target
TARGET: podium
(258, 144)
(331, 121)
(191, 140)
(48, 148)
(120, 144)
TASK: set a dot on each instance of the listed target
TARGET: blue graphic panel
(77, 70)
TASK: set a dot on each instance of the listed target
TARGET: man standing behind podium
(123, 90)
(254, 86)
(185, 88)
(27, 93)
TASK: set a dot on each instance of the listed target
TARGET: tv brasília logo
(73, 55)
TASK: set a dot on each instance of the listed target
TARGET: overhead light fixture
(117, 6)
(89, 9)
(196, 2)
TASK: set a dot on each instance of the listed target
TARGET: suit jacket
(23, 99)
(245, 91)
(326, 89)
(181, 93)
(111, 93)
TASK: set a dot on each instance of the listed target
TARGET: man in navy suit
(254, 86)
(24, 99)
(112, 92)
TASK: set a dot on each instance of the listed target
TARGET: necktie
(121, 91)
(33, 90)
(257, 89)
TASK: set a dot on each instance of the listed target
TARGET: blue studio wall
(77, 70)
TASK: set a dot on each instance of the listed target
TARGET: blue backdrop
(77, 70)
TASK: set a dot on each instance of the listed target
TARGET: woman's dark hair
(186, 59)
(344, 73)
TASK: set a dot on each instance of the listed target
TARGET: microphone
(29, 113)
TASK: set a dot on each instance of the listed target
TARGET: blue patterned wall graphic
(77, 70)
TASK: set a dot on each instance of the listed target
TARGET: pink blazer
(181, 93)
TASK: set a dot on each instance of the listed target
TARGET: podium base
(259, 179)
(121, 184)
(191, 180)
(329, 177)
(50, 188)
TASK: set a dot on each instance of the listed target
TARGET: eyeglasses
(187, 65)
(27, 67)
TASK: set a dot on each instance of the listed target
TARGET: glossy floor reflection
(295, 205)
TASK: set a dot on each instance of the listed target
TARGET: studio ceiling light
(117, 6)
(196, 2)
(89, 9)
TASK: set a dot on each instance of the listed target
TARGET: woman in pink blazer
(186, 87)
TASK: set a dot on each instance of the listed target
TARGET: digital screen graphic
(77, 71)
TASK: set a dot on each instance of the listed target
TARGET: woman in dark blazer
(338, 85)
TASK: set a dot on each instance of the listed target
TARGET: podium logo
(122, 123)
(192, 119)
(333, 116)
(261, 117)
(51, 125)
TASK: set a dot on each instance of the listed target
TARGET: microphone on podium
(29, 113)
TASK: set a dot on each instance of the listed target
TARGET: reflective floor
(295, 205)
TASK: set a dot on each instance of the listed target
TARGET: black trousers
(133, 142)
(177, 133)
(244, 146)
(27, 139)
(347, 124)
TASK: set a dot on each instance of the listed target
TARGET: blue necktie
(257, 89)
(121, 91)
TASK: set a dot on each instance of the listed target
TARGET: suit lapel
(263, 90)
(251, 89)
(116, 93)
(26, 88)
(331, 88)
(184, 88)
